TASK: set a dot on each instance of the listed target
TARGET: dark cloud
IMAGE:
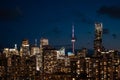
(88, 43)
(87, 20)
(106, 31)
(114, 36)
(111, 11)
(82, 17)
(10, 14)
(55, 31)
(89, 32)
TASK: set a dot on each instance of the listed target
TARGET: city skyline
(45, 62)
(53, 20)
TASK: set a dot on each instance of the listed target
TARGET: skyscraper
(44, 42)
(25, 48)
(98, 38)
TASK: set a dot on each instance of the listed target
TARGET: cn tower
(73, 40)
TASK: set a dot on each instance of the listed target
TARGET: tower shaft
(73, 40)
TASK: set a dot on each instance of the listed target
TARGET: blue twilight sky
(53, 19)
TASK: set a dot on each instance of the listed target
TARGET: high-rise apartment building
(25, 48)
(44, 42)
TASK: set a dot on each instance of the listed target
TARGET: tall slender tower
(98, 38)
(73, 40)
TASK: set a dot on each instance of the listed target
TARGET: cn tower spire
(35, 42)
(73, 40)
(72, 31)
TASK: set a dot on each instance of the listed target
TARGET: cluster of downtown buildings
(44, 62)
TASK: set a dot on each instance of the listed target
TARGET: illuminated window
(105, 63)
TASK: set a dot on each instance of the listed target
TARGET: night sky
(53, 19)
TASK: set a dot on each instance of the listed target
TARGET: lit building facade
(44, 42)
(98, 38)
(25, 49)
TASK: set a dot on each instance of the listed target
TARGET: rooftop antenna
(16, 46)
(35, 42)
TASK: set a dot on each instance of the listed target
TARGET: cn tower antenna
(73, 40)
(72, 31)
(35, 42)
